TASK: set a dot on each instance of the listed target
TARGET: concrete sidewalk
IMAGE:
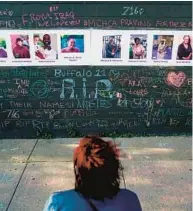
(158, 169)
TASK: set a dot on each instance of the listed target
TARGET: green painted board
(84, 99)
(117, 15)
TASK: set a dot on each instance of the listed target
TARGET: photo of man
(3, 47)
(185, 48)
(111, 47)
(20, 46)
(72, 43)
(45, 46)
(138, 47)
(162, 47)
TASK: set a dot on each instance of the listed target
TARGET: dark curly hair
(136, 38)
(97, 168)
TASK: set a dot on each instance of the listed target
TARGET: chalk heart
(158, 101)
(176, 79)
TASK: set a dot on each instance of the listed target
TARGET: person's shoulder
(181, 45)
(25, 48)
(62, 199)
(64, 193)
(127, 193)
(64, 50)
(129, 199)
(62, 196)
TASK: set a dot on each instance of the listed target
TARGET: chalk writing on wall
(132, 10)
(50, 19)
(86, 15)
(6, 12)
(95, 99)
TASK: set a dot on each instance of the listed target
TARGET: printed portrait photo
(3, 48)
(138, 46)
(72, 43)
(111, 46)
(162, 47)
(20, 46)
(184, 47)
(45, 46)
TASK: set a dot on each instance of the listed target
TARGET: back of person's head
(97, 168)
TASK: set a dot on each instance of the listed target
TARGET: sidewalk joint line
(26, 163)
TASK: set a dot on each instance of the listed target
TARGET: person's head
(186, 39)
(162, 42)
(46, 40)
(111, 39)
(19, 42)
(36, 39)
(137, 40)
(71, 42)
(97, 168)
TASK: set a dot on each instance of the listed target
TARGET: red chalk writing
(100, 23)
(127, 23)
(172, 24)
(54, 19)
(135, 23)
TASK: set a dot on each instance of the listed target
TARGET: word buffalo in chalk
(176, 79)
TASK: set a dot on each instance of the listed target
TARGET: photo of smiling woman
(138, 47)
(185, 49)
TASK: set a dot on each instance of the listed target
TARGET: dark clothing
(110, 48)
(20, 52)
(70, 200)
(3, 53)
(184, 52)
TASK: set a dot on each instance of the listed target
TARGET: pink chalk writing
(173, 24)
(135, 23)
(100, 23)
(54, 19)
(53, 8)
(119, 95)
(125, 22)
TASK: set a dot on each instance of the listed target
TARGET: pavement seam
(121, 169)
(26, 164)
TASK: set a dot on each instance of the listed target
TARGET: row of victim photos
(95, 47)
